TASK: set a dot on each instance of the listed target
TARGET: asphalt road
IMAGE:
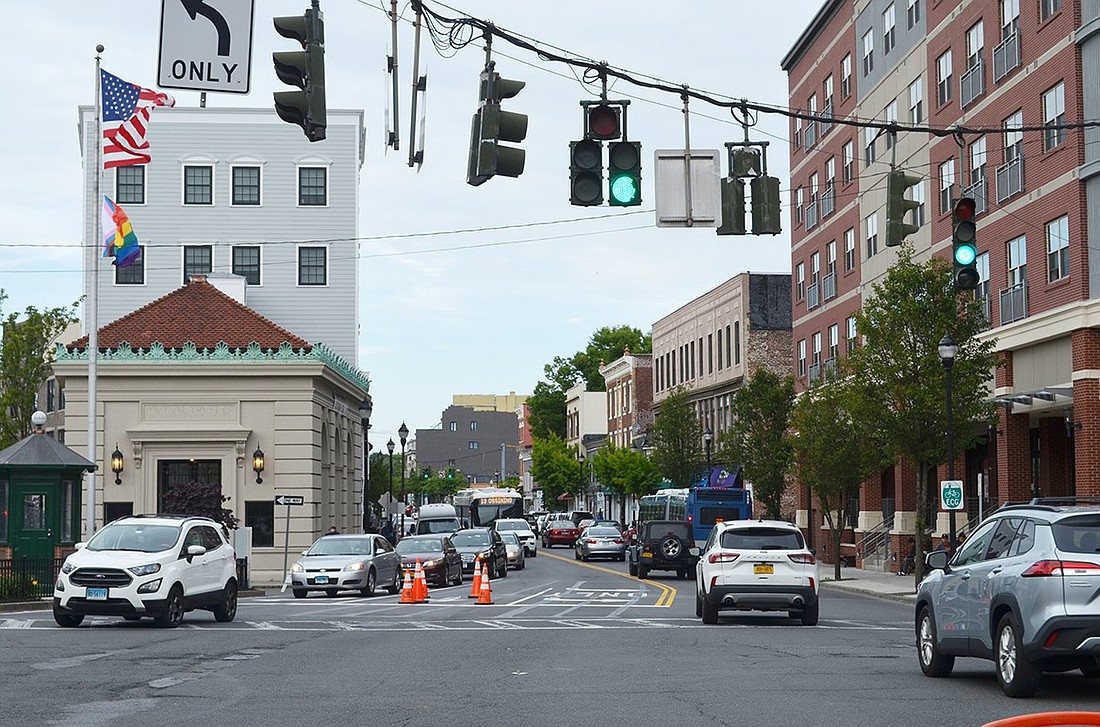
(564, 643)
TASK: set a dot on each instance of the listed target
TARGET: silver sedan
(514, 547)
(337, 563)
(599, 541)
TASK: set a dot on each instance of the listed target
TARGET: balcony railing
(1010, 179)
(972, 84)
(811, 216)
(977, 191)
(813, 296)
(828, 200)
(809, 136)
(987, 308)
(828, 368)
(815, 373)
(828, 285)
(1006, 56)
(1014, 303)
(826, 123)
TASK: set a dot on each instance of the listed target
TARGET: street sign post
(206, 45)
(951, 495)
(289, 501)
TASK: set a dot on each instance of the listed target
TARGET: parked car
(585, 523)
(523, 530)
(599, 541)
(560, 532)
(662, 545)
(757, 565)
(336, 563)
(149, 565)
(439, 559)
(1021, 591)
(514, 548)
(577, 515)
(477, 545)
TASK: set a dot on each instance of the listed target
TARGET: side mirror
(305, 552)
(80, 546)
(694, 552)
(937, 560)
(193, 550)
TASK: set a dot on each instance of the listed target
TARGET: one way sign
(290, 500)
(206, 45)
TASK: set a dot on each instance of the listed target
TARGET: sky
(463, 290)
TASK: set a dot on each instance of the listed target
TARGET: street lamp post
(708, 437)
(365, 410)
(403, 432)
(948, 351)
(389, 504)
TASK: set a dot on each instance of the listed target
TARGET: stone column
(1086, 410)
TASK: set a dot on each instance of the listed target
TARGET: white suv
(149, 565)
(757, 565)
(523, 530)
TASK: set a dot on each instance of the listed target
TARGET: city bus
(720, 496)
(480, 507)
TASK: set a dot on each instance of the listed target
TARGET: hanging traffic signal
(624, 179)
(963, 244)
(491, 125)
(765, 206)
(603, 121)
(304, 69)
(585, 173)
(897, 207)
(733, 207)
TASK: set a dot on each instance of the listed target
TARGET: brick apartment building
(1017, 71)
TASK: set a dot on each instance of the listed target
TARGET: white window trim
(312, 162)
(244, 161)
(144, 277)
(144, 187)
(298, 263)
(199, 161)
(257, 245)
(183, 257)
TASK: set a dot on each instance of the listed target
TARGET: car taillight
(590, 541)
(618, 541)
(1058, 568)
(723, 557)
(804, 558)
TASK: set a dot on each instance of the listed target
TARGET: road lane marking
(668, 593)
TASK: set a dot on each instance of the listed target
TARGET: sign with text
(205, 45)
(290, 500)
(951, 495)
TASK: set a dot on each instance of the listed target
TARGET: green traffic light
(965, 254)
(624, 189)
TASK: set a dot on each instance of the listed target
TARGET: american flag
(126, 109)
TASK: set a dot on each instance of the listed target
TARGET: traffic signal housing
(898, 207)
(733, 207)
(585, 173)
(624, 177)
(304, 69)
(491, 126)
(765, 206)
(964, 247)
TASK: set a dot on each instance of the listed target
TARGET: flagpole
(93, 302)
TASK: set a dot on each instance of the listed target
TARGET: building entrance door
(33, 521)
(174, 472)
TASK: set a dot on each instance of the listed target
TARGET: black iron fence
(23, 579)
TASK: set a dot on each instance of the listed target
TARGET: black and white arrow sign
(290, 500)
(206, 45)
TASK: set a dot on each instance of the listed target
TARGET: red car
(559, 532)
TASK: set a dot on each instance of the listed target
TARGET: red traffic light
(603, 122)
(964, 209)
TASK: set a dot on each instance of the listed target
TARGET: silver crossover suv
(1023, 591)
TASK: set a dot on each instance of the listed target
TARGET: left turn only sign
(206, 45)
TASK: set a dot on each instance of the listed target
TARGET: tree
(606, 345)
(901, 324)
(625, 471)
(677, 440)
(555, 468)
(836, 449)
(757, 438)
(437, 485)
(25, 363)
(202, 499)
(546, 411)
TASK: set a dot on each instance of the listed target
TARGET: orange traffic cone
(486, 595)
(475, 591)
(420, 584)
(407, 595)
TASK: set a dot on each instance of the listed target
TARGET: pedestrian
(944, 543)
(387, 532)
(909, 562)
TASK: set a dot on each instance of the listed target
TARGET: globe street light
(708, 437)
(403, 432)
(948, 351)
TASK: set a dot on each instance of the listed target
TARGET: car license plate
(763, 569)
(647, 555)
(321, 580)
(96, 594)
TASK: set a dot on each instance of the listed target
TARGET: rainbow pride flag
(119, 239)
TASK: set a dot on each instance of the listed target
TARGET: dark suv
(1021, 591)
(663, 545)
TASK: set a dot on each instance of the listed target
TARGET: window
(828, 204)
(260, 516)
(815, 268)
(1014, 138)
(916, 101)
(114, 510)
(1048, 8)
(834, 341)
(977, 167)
(849, 249)
(851, 331)
(921, 210)
(473, 426)
(889, 35)
(134, 273)
(912, 14)
(890, 115)
(830, 257)
(798, 133)
(312, 186)
(947, 183)
(1054, 115)
(198, 185)
(869, 135)
(847, 161)
(816, 349)
(473, 445)
(710, 353)
(871, 224)
(943, 78)
(453, 426)
(810, 137)
(312, 266)
(868, 51)
(827, 94)
(799, 287)
(729, 346)
(981, 264)
(1058, 249)
(802, 357)
(736, 342)
(1017, 261)
(246, 185)
(846, 76)
(197, 260)
(798, 202)
(130, 184)
(720, 359)
(1010, 18)
(51, 395)
(975, 44)
(246, 263)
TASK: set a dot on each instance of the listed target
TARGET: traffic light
(964, 246)
(765, 206)
(585, 173)
(603, 121)
(304, 69)
(733, 207)
(624, 176)
(491, 125)
(897, 206)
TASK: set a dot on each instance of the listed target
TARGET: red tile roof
(200, 313)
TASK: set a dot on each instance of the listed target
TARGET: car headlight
(297, 568)
(150, 587)
(428, 564)
(354, 566)
(145, 570)
(68, 568)
(60, 585)
(485, 555)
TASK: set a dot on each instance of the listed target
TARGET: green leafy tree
(836, 448)
(606, 345)
(438, 486)
(677, 440)
(202, 499)
(901, 324)
(25, 362)
(758, 439)
(626, 472)
(546, 411)
(380, 483)
(555, 468)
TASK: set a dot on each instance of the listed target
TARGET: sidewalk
(46, 603)
(871, 583)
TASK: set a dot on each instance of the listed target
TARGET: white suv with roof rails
(757, 565)
(149, 565)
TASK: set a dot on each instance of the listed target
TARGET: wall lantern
(258, 464)
(116, 464)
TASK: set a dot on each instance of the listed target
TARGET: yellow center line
(668, 593)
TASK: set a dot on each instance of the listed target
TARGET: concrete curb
(852, 586)
(46, 603)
